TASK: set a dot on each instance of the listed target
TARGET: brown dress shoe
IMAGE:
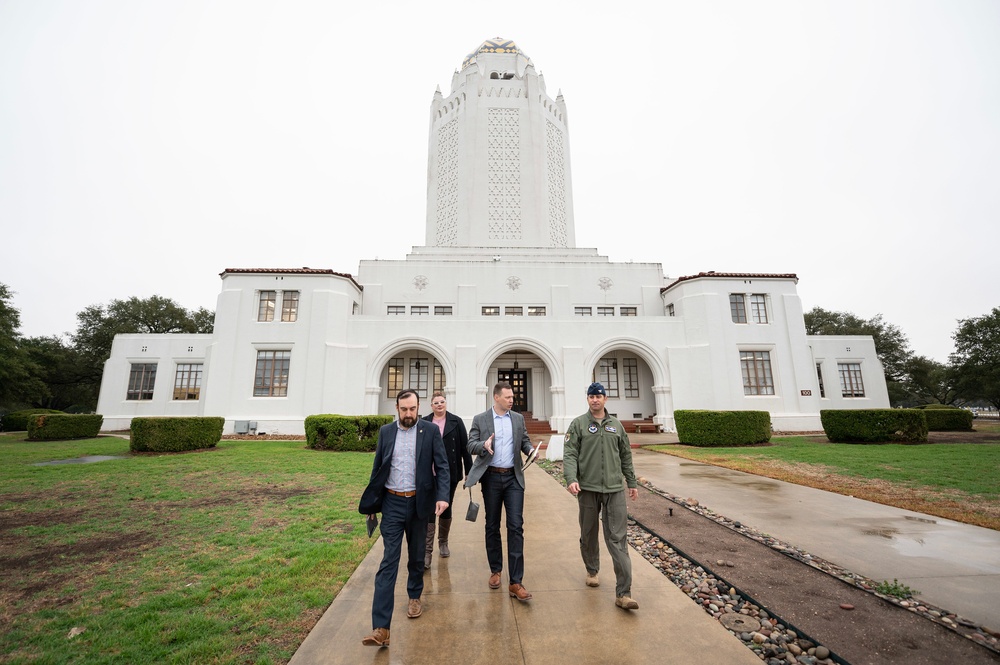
(414, 609)
(495, 581)
(519, 592)
(378, 638)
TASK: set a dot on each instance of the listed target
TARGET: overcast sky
(145, 146)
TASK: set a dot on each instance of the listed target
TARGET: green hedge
(723, 428)
(874, 425)
(171, 435)
(58, 426)
(941, 418)
(17, 421)
(343, 433)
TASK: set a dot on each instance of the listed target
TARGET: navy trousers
(501, 492)
(399, 517)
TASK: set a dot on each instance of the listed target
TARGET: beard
(407, 421)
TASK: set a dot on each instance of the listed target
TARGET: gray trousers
(592, 504)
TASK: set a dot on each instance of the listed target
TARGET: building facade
(499, 291)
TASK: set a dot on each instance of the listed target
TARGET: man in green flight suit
(596, 458)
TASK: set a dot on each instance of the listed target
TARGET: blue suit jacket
(432, 477)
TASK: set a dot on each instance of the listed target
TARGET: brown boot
(429, 545)
(443, 537)
(378, 638)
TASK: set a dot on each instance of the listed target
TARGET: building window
(396, 310)
(418, 376)
(271, 376)
(819, 377)
(491, 310)
(438, 375)
(289, 305)
(627, 311)
(583, 311)
(536, 311)
(265, 305)
(420, 310)
(737, 307)
(631, 371)
(670, 309)
(442, 310)
(756, 367)
(141, 380)
(513, 311)
(758, 307)
(605, 311)
(187, 381)
(851, 384)
(607, 375)
(395, 380)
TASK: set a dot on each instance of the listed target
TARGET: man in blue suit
(409, 483)
(499, 437)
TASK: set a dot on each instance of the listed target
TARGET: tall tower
(498, 172)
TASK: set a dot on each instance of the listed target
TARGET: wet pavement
(464, 621)
(953, 565)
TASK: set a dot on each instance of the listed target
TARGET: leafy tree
(977, 357)
(930, 382)
(59, 367)
(18, 384)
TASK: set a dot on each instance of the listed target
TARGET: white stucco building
(498, 290)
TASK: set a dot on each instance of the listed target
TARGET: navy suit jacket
(432, 476)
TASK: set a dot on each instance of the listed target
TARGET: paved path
(465, 622)
(954, 566)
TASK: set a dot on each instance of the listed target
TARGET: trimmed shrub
(17, 421)
(723, 428)
(344, 433)
(941, 418)
(58, 426)
(874, 425)
(171, 435)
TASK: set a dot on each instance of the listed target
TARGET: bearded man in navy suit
(409, 484)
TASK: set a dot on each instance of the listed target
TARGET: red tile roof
(288, 271)
(732, 275)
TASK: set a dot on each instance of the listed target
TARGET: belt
(410, 493)
(501, 469)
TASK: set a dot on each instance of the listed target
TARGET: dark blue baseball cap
(596, 389)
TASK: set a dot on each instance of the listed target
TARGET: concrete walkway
(954, 566)
(566, 622)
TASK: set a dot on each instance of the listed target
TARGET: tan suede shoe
(592, 580)
(495, 581)
(414, 609)
(378, 638)
(626, 603)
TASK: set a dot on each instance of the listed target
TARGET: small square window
(420, 310)
(536, 311)
(513, 311)
(491, 310)
(605, 311)
(442, 310)
(628, 311)
(395, 310)
(583, 311)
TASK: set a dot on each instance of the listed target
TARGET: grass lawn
(958, 481)
(223, 556)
